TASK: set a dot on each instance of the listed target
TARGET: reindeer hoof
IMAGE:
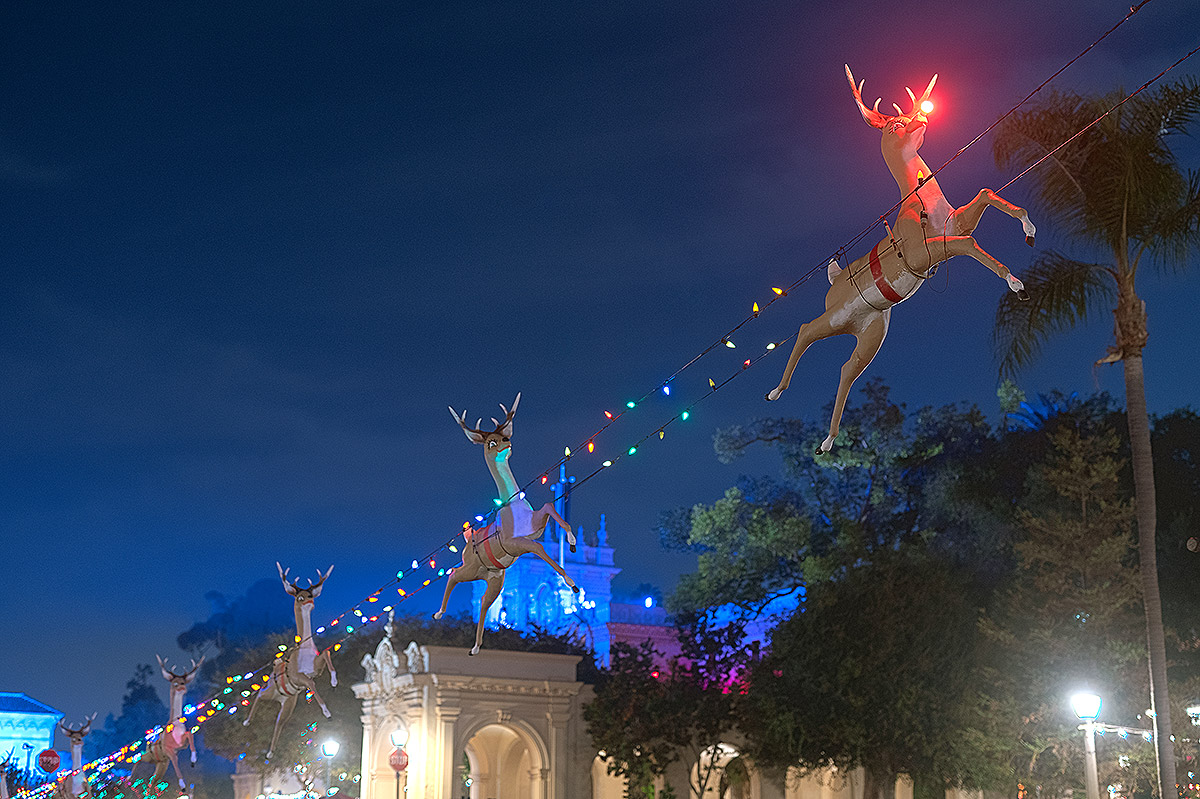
(437, 615)
(773, 394)
(1029, 240)
(474, 650)
(575, 588)
(1023, 295)
(246, 723)
(572, 547)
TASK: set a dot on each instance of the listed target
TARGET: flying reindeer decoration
(286, 686)
(164, 749)
(492, 549)
(928, 231)
(311, 660)
(6, 765)
(76, 735)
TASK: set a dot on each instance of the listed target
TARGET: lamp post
(398, 759)
(329, 749)
(1087, 708)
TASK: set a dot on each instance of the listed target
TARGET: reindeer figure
(286, 686)
(928, 231)
(311, 661)
(76, 736)
(6, 765)
(164, 749)
(492, 549)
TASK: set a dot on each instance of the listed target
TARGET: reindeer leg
(495, 582)
(253, 707)
(311, 686)
(966, 219)
(529, 546)
(192, 746)
(332, 672)
(285, 712)
(173, 759)
(966, 245)
(462, 574)
(547, 511)
(160, 771)
(870, 339)
(810, 332)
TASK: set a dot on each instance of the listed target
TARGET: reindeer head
(306, 595)
(179, 682)
(497, 443)
(904, 132)
(77, 734)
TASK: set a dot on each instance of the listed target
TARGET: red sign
(398, 759)
(48, 760)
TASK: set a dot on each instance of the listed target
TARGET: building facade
(26, 727)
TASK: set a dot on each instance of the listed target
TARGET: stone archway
(605, 785)
(506, 760)
(732, 776)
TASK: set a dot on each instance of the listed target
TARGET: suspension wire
(1096, 121)
(99, 765)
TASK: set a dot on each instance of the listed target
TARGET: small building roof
(11, 702)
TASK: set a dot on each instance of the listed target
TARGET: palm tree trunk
(1143, 486)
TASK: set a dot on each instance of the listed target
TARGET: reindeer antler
(871, 116)
(82, 730)
(316, 587)
(477, 434)
(169, 673)
(916, 104)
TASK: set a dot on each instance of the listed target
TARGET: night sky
(253, 250)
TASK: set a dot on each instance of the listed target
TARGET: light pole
(398, 759)
(1087, 708)
(329, 749)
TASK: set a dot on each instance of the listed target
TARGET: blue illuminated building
(535, 597)
(26, 728)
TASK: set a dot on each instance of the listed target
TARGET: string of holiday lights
(209, 708)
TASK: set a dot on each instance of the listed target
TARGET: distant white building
(26, 728)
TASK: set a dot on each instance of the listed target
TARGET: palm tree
(1117, 191)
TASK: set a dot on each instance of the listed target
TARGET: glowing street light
(330, 749)
(1087, 707)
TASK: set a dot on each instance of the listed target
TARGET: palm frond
(1063, 292)
(1119, 180)
(1175, 236)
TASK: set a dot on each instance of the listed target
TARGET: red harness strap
(881, 283)
(487, 548)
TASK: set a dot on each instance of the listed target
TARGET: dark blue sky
(253, 250)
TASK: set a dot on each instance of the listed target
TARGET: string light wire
(106, 763)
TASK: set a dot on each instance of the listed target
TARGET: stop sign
(398, 759)
(48, 760)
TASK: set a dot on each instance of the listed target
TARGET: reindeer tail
(833, 270)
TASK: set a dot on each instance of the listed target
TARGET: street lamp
(398, 759)
(329, 749)
(1087, 708)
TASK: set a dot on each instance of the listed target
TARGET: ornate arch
(529, 734)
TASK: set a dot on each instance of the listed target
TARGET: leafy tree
(907, 474)
(1177, 474)
(1071, 615)
(879, 671)
(141, 710)
(1119, 192)
(632, 718)
(646, 716)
